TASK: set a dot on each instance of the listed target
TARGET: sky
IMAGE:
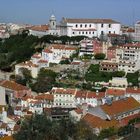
(39, 11)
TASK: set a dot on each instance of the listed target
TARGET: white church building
(89, 27)
(47, 29)
(77, 27)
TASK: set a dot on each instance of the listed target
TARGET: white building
(64, 97)
(86, 47)
(57, 52)
(128, 57)
(89, 27)
(137, 31)
(47, 29)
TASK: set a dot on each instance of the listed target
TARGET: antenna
(133, 13)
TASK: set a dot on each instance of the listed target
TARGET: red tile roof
(36, 56)
(96, 122)
(63, 91)
(132, 45)
(28, 64)
(7, 138)
(45, 97)
(120, 106)
(42, 28)
(126, 120)
(78, 111)
(133, 90)
(47, 51)
(115, 92)
(97, 95)
(42, 61)
(13, 85)
(16, 127)
(62, 47)
(81, 94)
(112, 48)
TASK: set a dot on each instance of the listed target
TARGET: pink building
(111, 52)
(97, 46)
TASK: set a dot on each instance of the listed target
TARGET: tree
(45, 81)
(39, 127)
(106, 133)
(66, 61)
(99, 56)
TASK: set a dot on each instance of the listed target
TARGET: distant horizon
(39, 11)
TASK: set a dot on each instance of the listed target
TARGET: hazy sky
(39, 11)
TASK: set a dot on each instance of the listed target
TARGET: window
(102, 25)
(76, 25)
(85, 25)
(79, 33)
(81, 25)
(89, 25)
(109, 32)
(109, 25)
(82, 32)
(114, 32)
(102, 32)
(86, 32)
(89, 32)
(73, 33)
(92, 32)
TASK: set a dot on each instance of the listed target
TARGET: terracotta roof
(132, 45)
(62, 47)
(14, 117)
(78, 111)
(97, 95)
(42, 61)
(113, 35)
(27, 97)
(3, 125)
(42, 28)
(81, 94)
(130, 30)
(47, 51)
(112, 48)
(63, 91)
(133, 90)
(115, 92)
(125, 121)
(28, 64)
(45, 97)
(7, 138)
(109, 63)
(13, 85)
(70, 48)
(75, 63)
(18, 107)
(16, 127)
(70, 20)
(120, 106)
(36, 56)
(96, 122)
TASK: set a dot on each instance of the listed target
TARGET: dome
(52, 17)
